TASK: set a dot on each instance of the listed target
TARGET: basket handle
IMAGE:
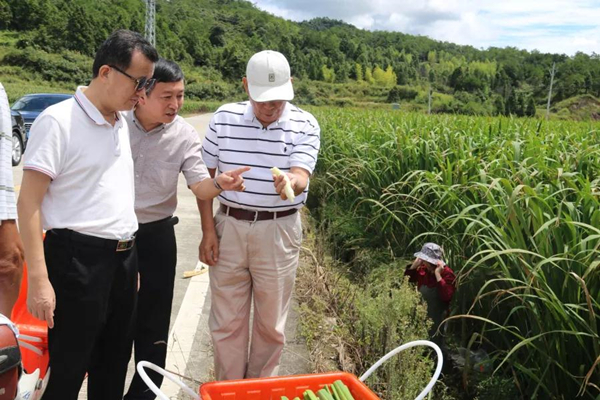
(436, 374)
(173, 378)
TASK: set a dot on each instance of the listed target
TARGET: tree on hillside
(530, 110)
(31, 14)
(81, 32)
(512, 104)
(368, 75)
(390, 76)
(328, 74)
(358, 72)
(233, 61)
(217, 36)
(455, 77)
(5, 15)
(499, 106)
(379, 76)
(521, 106)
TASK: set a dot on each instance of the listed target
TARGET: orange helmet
(10, 362)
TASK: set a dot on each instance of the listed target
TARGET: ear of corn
(289, 192)
(310, 395)
(336, 391)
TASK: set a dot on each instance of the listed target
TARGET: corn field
(514, 202)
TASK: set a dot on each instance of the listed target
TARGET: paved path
(190, 350)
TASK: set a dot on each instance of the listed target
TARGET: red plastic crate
(290, 386)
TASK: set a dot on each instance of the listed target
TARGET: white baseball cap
(268, 75)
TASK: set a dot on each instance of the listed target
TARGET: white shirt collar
(89, 108)
(249, 112)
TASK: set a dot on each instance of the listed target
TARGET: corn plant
(515, 202)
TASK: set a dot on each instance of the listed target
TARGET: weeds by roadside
(350, 325)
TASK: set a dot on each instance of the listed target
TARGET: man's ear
(142, 99)
(104, 71)
(245, 83)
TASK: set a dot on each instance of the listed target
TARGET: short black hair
(118, 49)
(166, 71)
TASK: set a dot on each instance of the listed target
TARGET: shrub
(68, 67)
(211, 91)
(398, 93)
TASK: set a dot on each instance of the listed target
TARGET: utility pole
(429, 104)
(550, 91)
(150, 33)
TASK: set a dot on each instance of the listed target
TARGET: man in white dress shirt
(78, 185)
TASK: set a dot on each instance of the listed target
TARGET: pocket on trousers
(220, 223)
(291, 233)
(58, 256)
(79, 278)
(297, 230)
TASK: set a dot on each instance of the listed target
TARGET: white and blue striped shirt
(8, 207)
(236, 138)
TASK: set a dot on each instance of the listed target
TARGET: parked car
(32, 105)
(19, 137)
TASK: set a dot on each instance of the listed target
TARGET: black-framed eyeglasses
(140, 83)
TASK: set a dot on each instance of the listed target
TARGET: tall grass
(515, 204)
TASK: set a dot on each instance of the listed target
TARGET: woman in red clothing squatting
(435, 281)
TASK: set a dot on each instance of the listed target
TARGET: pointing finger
(239, 171)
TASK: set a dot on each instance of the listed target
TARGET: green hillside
(584, 107)
(47, 45)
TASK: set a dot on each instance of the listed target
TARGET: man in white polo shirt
(253, 242)
(11, 248)
(163, 144)
(78, 185)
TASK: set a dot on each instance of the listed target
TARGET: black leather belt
(111, 244)
(161, 223)
(248, 215)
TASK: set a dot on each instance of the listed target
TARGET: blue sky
(553, 26)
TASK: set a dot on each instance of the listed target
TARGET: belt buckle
(124, 245)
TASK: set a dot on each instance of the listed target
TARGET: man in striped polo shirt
(11, 248)
(253, 242)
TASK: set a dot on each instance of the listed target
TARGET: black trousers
(96, 293)
(157, 252)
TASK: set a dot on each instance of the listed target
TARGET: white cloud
(561, 26)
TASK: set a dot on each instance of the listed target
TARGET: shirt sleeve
(306, 147)
(8, 207)
(412, 274)
(5, 118)
(446, 286)
(46, 146)
(210, 146)
(193, 167)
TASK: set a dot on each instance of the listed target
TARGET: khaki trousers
(257, 261)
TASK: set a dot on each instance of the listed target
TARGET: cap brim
(270, 93)
(425, 257)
